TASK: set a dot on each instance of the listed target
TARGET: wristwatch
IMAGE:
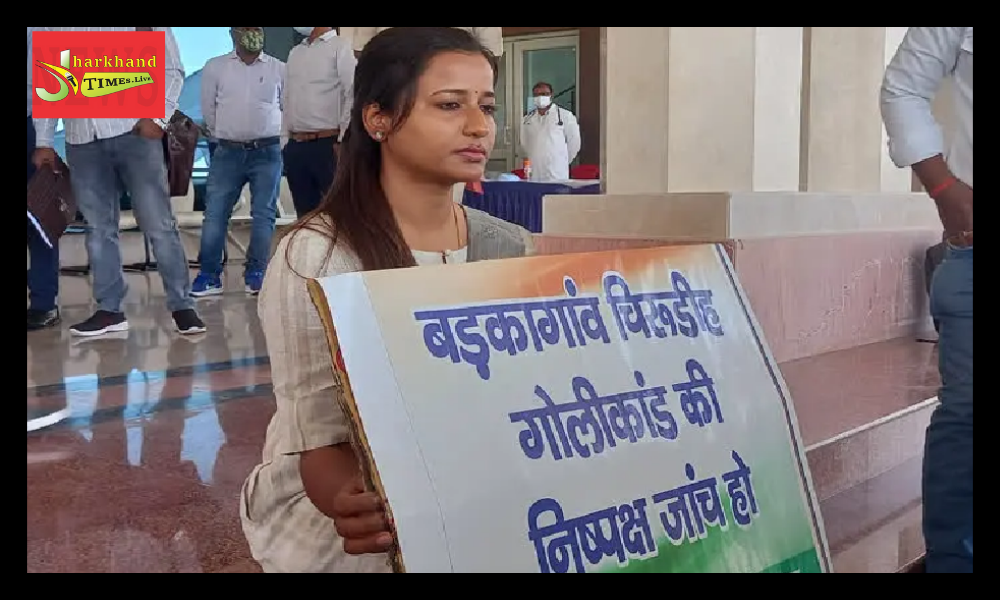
(161, 122)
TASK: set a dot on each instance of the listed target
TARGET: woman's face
(449, 134)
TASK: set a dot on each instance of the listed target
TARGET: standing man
(43, 272)
(317, 106)
(490, 37)
(102, 153)
(550, 137)
(928, 56)
(241, 101)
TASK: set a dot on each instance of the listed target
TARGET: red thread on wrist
(947, 183)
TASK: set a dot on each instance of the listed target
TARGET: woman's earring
(379, 136)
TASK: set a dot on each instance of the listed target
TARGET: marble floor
(156, 433)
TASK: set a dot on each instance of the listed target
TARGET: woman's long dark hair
(387, 74)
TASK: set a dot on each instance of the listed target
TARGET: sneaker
(254, 281)
(100, 323)
(40, 319)
(188, 322)
(206, 285)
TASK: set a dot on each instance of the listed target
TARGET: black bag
(180, 142)
(51, 204)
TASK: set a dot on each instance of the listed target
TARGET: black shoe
(40, 319)
(100, 323)
(188, 322)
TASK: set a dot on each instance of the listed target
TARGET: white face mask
(542, 101)
(304, 30)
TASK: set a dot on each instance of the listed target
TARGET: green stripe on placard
(807, 562)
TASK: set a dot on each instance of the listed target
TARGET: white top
(319, 86)
(927, 56)
(285, 531)
(450, 257)
(83, 131)
(242, 102)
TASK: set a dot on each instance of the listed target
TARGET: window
(197, 46)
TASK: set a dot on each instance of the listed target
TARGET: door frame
(507, 135)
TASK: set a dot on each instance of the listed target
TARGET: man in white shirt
(104, 154)
(490, 37)
(317, 102)
(43, 270)
(928, 56)
(550, 137)
(241, 102)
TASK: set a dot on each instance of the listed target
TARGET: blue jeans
(233, 167)
(947, 477)
(43, 270)
(139, 164)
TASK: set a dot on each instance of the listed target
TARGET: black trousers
(309, 168)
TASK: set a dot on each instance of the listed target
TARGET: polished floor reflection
(155, 435)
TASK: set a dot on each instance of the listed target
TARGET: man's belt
(252, 144)
(309, 136)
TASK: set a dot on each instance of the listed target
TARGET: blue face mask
(305, 31)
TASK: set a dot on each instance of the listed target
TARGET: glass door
(527, 61)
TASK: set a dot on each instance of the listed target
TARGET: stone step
(862, 414)
(862, 411)
(852, 458)
(874, 527)
(917, 566)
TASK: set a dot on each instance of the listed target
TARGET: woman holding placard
(422, 121)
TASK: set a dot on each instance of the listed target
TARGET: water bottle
(527, 168)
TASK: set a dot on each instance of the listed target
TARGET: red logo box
(98, 74)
